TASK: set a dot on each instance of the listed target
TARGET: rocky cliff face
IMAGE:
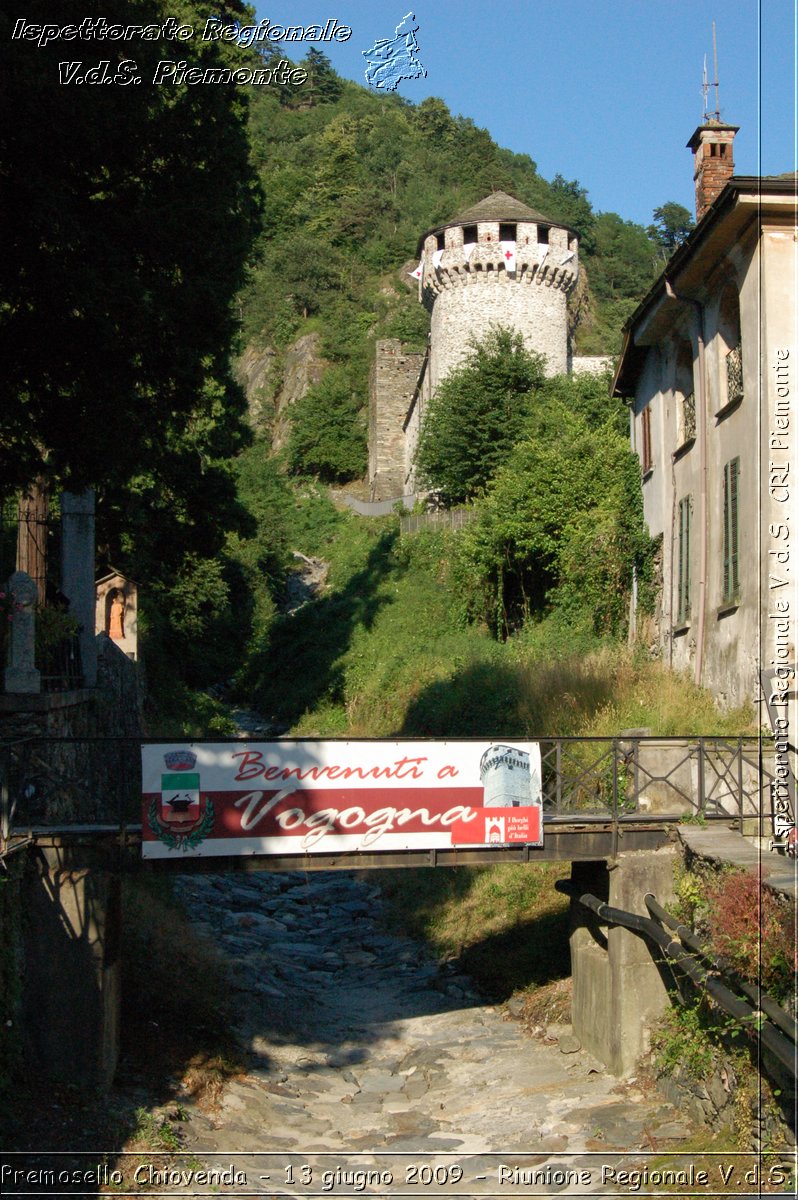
(274, 381)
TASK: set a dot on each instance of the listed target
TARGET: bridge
(71, 816)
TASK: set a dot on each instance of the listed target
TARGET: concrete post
(71, 987)
(618, 987)
(77, 572)
(21, 675)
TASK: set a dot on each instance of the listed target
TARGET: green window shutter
(731, 531)
(726, 538)
(683, 581)
(734, 516)
(688, 507)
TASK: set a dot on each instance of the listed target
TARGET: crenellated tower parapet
(499, 263)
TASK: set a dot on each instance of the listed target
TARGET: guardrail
(63, 781)
(768, 1024)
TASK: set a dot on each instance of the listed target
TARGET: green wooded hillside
(351, 179)
(235, 219)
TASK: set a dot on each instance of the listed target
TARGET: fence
(451, 518)
(73, 781)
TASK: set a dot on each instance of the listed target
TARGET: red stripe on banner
(301, 811)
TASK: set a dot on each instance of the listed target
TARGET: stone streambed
(362, 1050)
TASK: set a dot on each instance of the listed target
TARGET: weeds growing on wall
(754, 932)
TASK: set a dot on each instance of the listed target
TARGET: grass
(385, 652)
(177, 1009)
(729, 1171)
(505, 926)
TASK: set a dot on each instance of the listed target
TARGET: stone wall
(591, 364)
(393, 379)
(64, 766)
(58, 772)
(618, 988)
(534, 304)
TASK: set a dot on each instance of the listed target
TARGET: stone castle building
(497, 263)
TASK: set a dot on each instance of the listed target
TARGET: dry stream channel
(373, 1071)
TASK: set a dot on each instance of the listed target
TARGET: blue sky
(604, 91)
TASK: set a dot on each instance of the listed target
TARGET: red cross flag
(508, 254)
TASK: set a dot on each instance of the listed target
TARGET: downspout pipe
(703, 544)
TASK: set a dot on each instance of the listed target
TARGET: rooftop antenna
(715, 57)
(705, 86)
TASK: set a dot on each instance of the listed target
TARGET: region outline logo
(391, 60)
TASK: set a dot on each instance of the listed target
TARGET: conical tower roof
(498, 206)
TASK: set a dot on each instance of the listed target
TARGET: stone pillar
(20, 673)
(618, 979)
(77, 572)
(71, 986)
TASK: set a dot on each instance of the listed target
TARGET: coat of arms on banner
(181, 817)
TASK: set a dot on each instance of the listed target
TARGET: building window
(688, 419)
(730, 349)
(685, 396)
(683, 572)
(731, 531)
(543, 235)
(440, 241)
(470, 237)
(647, 458)
(507, 233)
(734, 375)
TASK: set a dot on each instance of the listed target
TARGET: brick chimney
(713, 149)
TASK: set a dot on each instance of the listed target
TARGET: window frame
(731, 532)
(683, 576)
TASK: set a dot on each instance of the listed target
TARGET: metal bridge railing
(72, 781)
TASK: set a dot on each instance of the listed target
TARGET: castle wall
(392, 383)
(413, 423)
(465, 312)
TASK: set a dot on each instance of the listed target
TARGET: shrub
(477, 414)
(750, 929)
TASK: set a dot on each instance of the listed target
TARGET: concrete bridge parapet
(71, 985)
(618, 986)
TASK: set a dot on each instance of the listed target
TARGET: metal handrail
(702, 947)
(769, 1036)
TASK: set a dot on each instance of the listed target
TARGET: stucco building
(709, 370)
(498, 263)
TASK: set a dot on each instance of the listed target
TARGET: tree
(561, 525)
(624, 266)
(129, 212)
(323, 85)
(328, 435)
(476, 415)
(570, 204)
(672, 226)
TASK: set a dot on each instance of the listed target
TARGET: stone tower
(498, 263)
